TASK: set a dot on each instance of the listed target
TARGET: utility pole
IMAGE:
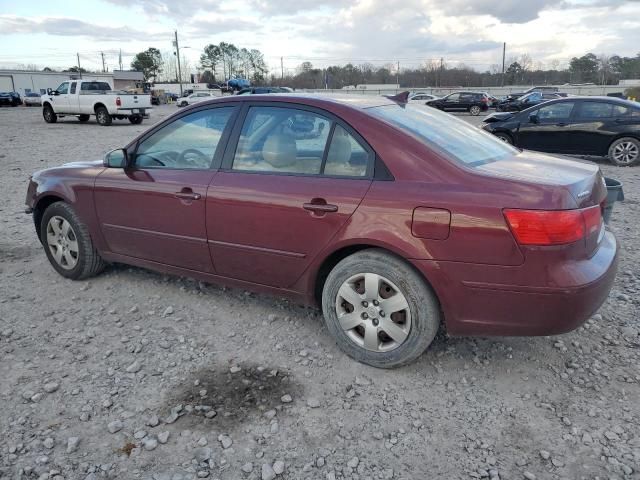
(281, 68)
(504, 51)
(398, 75)
(79, 69)
(120, 59)
(178, 57)
(441, 69)
(103, 68)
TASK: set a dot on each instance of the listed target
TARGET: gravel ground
(137, 375)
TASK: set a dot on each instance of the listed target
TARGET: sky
(324, 32)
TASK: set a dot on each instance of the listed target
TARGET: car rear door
(291, 178)
(155, 210)
(546, 128)
(594, 125)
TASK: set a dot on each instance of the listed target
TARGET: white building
(26, 82)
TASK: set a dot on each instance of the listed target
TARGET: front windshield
(456, 138)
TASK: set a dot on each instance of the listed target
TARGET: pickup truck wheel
(67, 243)
(84, 118)
(625, 152)
(103, 117)
(49, 115)
(135, 119)
(475, 110)
(380, 311)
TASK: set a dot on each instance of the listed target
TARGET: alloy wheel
(373, 312)
(626, 152)
(62, 242)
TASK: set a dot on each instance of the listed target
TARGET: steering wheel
(192, 151)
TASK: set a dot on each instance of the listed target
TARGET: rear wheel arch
(343, 252)
(97, 106)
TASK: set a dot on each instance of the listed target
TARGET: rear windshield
(95, 86)
(456, 138)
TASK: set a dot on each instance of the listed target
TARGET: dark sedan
(395, 219)
(11, 99)
(525, 101)
(575, 125)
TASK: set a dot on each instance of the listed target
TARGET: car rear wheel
(103, 117)
(136, 119)
(379, 310)
(83, 118)
(67, 243)
(49, 115)
(505, 137)
(625, 152)
(475, 110)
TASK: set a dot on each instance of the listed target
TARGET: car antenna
(399, 98)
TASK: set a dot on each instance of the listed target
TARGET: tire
(415, 327)
(505, 137)
(625, 152)
(103, 117)
(49, 115)
(136, 119)
(475, 110)
(84, 118)
(88, 261)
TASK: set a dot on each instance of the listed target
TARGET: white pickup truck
(82, 99)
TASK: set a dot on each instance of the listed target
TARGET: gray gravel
(134, 374)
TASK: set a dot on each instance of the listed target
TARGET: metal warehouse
(25, 82)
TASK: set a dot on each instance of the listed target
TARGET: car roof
(314, 99)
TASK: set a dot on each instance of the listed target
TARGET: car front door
(293, 180)
(450, 102)
(546, 128)
(60, 100)
(155, 209)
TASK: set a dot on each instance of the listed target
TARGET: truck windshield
(95, 86)
(454, 137)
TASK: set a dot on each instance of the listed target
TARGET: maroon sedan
(394, 218)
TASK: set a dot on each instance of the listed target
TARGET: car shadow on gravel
(224, 398)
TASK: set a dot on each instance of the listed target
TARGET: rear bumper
(144, 111)
(484, 299)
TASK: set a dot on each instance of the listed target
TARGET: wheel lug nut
(382, 313)
(376, 303)
(375, 322)
(365, 304)
(365, 316)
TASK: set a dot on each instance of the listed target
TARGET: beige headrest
(280, 150)
(340, 150)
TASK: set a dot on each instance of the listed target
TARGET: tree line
(223, 61)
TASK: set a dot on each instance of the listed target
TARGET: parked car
(370, 215)
(525, 101)
(194, 98)
(493, 100)
(11, 99)
(261, 90)
(574, 125)
(31, 99)
(543, 89)
(235, 85)
(422, 97)
(82, 98)
(472, 102)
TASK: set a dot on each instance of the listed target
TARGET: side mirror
(533, 118)
(116, 159)
(49, 91)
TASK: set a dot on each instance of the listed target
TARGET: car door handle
(320, 207)
(187, 195)
(561, 124)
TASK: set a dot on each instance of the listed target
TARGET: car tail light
(553, 227)
(118, 102)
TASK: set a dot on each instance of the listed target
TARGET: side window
(63, 89)
(282, 140)
(594, 110)
(346, 157)
(189, 142)
(555, 112)
(73, 87)
(454, 97)
(622, 111)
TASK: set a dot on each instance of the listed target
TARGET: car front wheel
(625, 152)
(505, 137)
(49, 115)
(67, 243)
(379, 309)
